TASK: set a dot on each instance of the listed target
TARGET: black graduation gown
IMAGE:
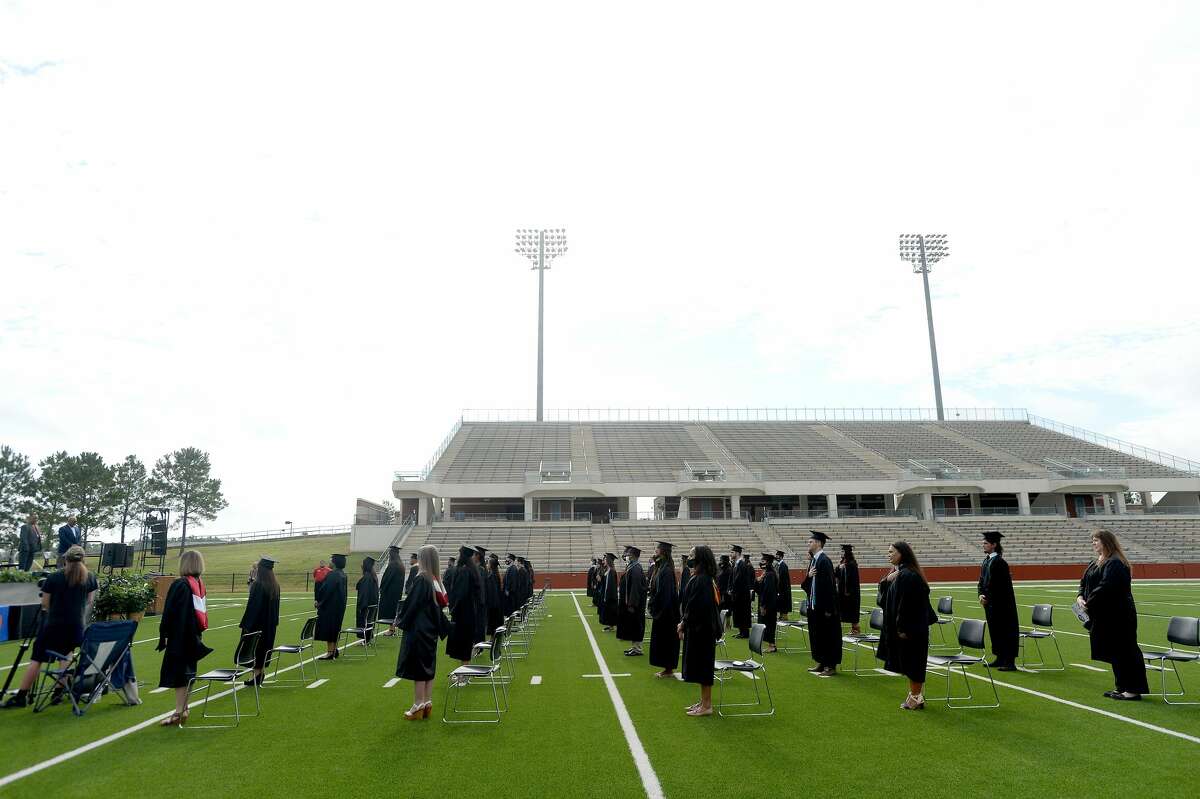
(700, 621)
(724, 580)
(824, 623)
(511, 588)
(391, 591)
(768, 596)
(783, 605)
(331, 606)
(631, 621)
(905, 603)
(481, 608)
(849, 592)
(664, 612)
(995, 583)
(597, 587)
(261, 615)
(1107, 592)
(608, 599)
(366, 595)
(419, 621)
(462, 613)
(591, 579)
(179, 638)
(491, 595)
(742, 595)
(413, 571)
(448, 576)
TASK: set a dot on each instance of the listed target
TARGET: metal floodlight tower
(541, 247)
(923, 250)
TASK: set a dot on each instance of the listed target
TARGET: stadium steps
(442, 467)
(991, 452)
(713, 449)
(869, 455)
(1029, 540)
(583, 450)
(603, 540)
(872, 537)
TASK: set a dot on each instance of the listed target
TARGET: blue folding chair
(89, 672)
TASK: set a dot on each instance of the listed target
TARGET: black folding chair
(1043, 630)
(491, 674)
(243, 666)
(945, 615)
(366, 633)
(306, 643)
(392, 621)
(970, 636)
(799, 625)
(88, 673)
(858, 641)
(1185, 631)
(752, 668)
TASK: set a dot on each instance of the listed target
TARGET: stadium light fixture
(923, 250)
(541, 247)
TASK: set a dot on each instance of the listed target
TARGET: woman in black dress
(331, 607)
(493, 595)
(664, 611)
(366, 592)
(698, 627)
(262, 615)
(845, 577)
(724, 576)
(421, 620)
(391, 589)
(184, 619)
(65, 595)
(462, 595)
(904, 641)
(1106, 594)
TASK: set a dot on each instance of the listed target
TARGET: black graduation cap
(413, 555)
(368, 562)
(992, 536)
(511, 556)
(779, 553)
(338, 560)
(266, 562)
(818, 535)
(736, 548)
(632, 550)
(724, 559)
(768, 556)
(465, 552)
(665, 544)
(610, 556)
(847, 548)
(393, 548)
(482, 551)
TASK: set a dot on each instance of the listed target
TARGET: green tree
(80, 484)
(50, 495)
(16, 489)
(129, 492)
(183, 481)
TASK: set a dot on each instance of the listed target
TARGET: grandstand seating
(1034, 444)
(650, 452)
(900, 442)
(503, 453)
(871, 538)
(551, 547)
(792, 451)
(719, 535)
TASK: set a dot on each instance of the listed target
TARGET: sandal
(700, 712)
(172, 720)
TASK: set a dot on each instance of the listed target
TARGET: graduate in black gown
(685, 574)
(366, 597)
(591, 579)
(448, 574)
(492, 595)
(767, 588)
(631, 621)
(784, 604)
(724, 580)
(331, 607)
(461, 596)
(849, 590)
(999, 602)
(391, 589)
(904, 640)
(741, 592)
(413, 571)
(478, 562)
(510, 584)
(664, 613)
(598, 584)
(421, 621)
(262, 615)
(1106, 594)
(698, 625)
(180, 631)
(824, 621)
(608, 593)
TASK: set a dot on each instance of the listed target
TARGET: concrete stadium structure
(562, 490)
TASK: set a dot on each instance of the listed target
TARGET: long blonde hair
(75, 569)
(428, 562)
(1110, 545)
(191, 564)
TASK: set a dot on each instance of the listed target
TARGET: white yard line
(8, 779)
(317, 683)
(391, 682)
(649, 779)
(1089, 668)
(610, 674)
(535, 679)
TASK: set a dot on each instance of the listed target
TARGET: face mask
(691, 563)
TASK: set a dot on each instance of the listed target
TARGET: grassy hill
(226, 565)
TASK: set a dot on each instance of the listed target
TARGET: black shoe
(1124, 698)
(19, 699)
(633, 653)
(1006, 668)
(1110, 694)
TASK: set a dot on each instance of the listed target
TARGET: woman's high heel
(427, 711)
(414, 713)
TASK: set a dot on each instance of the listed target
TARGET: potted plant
(124, 596)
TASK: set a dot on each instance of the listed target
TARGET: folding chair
(1043, 629)
(857, 640)
(1185, 631)
(970, 636)
(395, 616)
(721, 641)
(491, 674)
(945, 615)
(243, 666)
(751, 668)
(88, 673)
(800, 625)
(306, 643)
(366, 632)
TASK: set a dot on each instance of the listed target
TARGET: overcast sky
(282, 232)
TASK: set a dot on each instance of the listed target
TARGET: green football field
(1053, 734)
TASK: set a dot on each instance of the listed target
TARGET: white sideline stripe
(535, 679)
(1108, 713)
(1089, 668)
(317, 683)
(119, 734)
(640, 759)
(159, 690)
(610, 674)
(391, 682)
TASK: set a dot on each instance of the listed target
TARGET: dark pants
(25, 561)
(1129, 672)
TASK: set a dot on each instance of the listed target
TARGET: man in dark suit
(30, 543)
(824, 624)
(68, 536)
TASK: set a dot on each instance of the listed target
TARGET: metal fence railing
(455, 516)
(690, 515)
(739, 415)
(200, 539)
(1101, 440)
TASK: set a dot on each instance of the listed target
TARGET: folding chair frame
(233, 677)
(1163, 658)
(1041, 659)
(278, 652)
(949, 698)
(360, 633)
(755, 666)
(66, 677)
(491, 674)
